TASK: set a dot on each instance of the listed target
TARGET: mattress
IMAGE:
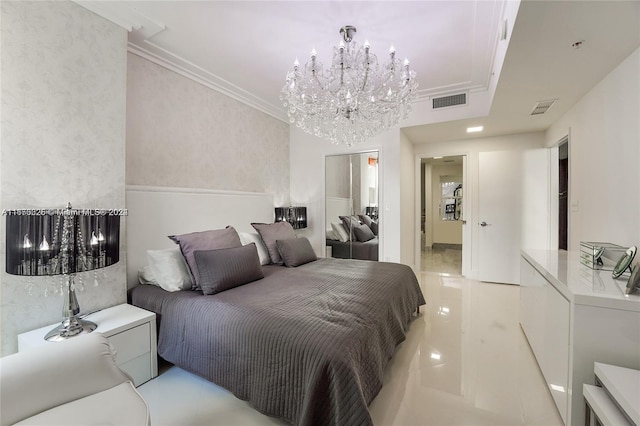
(367, 250)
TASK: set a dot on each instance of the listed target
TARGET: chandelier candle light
(355, 98)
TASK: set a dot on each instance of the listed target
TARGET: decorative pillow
(363, 233)
(340, 232)
(223, 269)
(374, 227)
(145, 276)
(270, 233)
(330, 235)
(365, 219)
(252, 237)
(207, 240)
(296, 251)
(169, 270)
(349, 223)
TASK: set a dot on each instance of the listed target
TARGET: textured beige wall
(183, 134)
(63, 120)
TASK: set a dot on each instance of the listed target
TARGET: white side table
(616, 399)
(130, 330)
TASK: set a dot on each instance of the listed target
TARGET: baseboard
(446, 246)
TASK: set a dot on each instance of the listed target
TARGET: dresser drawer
(131, 343)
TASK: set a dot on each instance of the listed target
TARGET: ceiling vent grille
(452, 100)
(543, 106)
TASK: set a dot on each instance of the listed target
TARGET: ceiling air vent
(452, 100)
(542, 106)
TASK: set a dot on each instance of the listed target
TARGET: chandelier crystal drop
(355, 98)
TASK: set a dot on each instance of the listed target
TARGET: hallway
(444, 259)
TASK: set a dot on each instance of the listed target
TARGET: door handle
(483, 223)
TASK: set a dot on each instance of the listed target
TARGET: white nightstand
(131, 331)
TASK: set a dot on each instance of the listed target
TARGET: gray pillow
(223, 269)
(365, 219)
(363, 233)
(374, 227)
(296, 251)
(370, 223)
(349, 223)
(206, 240)
(270, 233)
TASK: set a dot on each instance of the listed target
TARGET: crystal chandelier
(355, 98)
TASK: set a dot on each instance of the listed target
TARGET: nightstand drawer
(131, 343)
(138, 368)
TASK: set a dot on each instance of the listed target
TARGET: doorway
(563, 194)
(442, 214)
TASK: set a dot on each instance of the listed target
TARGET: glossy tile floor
(442, 259)
(465, 362)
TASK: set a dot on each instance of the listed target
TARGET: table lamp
(296, 216)
(46, 242)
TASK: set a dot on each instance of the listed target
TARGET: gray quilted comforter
(308, 344)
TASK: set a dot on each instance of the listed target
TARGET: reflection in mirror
(351, 206)
(451, 197)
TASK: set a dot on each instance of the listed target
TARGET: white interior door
(499, 216)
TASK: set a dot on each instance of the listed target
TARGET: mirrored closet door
(351, 206)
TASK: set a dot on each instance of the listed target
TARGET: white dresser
(574, 316)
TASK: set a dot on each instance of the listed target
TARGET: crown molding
(142, 29)
(194, 72)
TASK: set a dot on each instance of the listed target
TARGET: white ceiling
(245, 48)
(540, 64)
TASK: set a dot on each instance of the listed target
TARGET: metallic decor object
(600, 255)
(352, 100)
(47, 242)
(634, 280)
(296, 216)
(624, 262)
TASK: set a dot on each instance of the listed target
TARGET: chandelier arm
(315, 77)
(342, 67)
(366, 77)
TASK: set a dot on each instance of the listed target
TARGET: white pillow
(340, 231)
(145, 276)
(169, 269)
(253, 237)
(331, 235)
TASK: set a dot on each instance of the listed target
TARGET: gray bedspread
(308, 344)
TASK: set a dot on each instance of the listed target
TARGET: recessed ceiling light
(474, 129)
(437, 158)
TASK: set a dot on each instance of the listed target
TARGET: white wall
(604, 159)
(183, 134)
(307, 185)
(471, 148)
(63, 140)
(535, 199)
(408, 230)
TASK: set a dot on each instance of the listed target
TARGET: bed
(367, 250)
(306, 344)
